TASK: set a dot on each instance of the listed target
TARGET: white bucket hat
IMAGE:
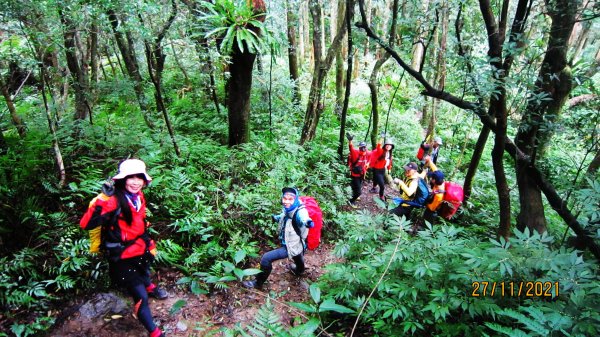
(131, 167)
(438, 140)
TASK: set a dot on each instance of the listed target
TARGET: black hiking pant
(356, 185)
(266, 263)
(379, 180)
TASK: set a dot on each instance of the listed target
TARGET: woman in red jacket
(381, 160)
(121, 213)
(358, 161)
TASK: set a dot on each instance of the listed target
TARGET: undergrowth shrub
(433, 284)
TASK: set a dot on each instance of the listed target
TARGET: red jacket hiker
(358, 158)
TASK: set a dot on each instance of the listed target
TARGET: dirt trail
(203, 315)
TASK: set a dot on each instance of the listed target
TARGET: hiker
(358, 162)
(435, 148)
(409, 188)
(380, 161)
(293, 230)
(434, 201)
(121, 213)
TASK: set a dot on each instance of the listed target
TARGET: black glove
(108, 189)
(349, 136)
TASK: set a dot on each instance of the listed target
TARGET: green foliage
(268, 323)
(220, 273)
(235, 22)
(320, 306)
(430, 285)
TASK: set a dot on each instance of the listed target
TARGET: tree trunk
(80, 80)
(373, 80)
(94, 53)
(474, 163)
(239, 87)
(497, 108)
(16, 119)
(58, 159)
(292, 23)
(555, 82)
(110, 62)
(155, 58)
(440, 68)
(349, 15)
(186, 78)
(125, 44)
(339, 62)
(419, 44)
(594, 165)
(315, 106)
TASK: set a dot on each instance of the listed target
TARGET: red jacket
(106, 213)
(357, 158)
(377, 162)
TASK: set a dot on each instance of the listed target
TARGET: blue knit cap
(296, 200)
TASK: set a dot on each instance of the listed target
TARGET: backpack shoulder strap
(295, 221)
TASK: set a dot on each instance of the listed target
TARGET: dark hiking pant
(356, 185)
(266, 263)
(379, 180)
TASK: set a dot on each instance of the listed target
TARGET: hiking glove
(275, 218)
(349, 136)
(108, 189)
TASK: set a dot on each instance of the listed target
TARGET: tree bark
(315, 106)
(94, 53)
(594, 165)
(155, 58)
(16, 119)
(239, 88)
(80, 78)
(292, 23)
(475, 160)
(349, 15)
(440, 68)
(485, 131)
(555, 82)
(125, 45)
(58, 159)
(373, 79)
(339, 63)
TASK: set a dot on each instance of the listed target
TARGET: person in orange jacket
(358, 162)
(434, 201)
(381, 160)
(120, 212)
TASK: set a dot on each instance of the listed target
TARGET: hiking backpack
(422, 151)
(316, 215)
(421, 194)
(453, 197)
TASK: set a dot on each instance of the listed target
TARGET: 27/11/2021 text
(514, 289)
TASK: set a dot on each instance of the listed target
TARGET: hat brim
(126, 174)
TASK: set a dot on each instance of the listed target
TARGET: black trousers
(379, 180)
(356, 184)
